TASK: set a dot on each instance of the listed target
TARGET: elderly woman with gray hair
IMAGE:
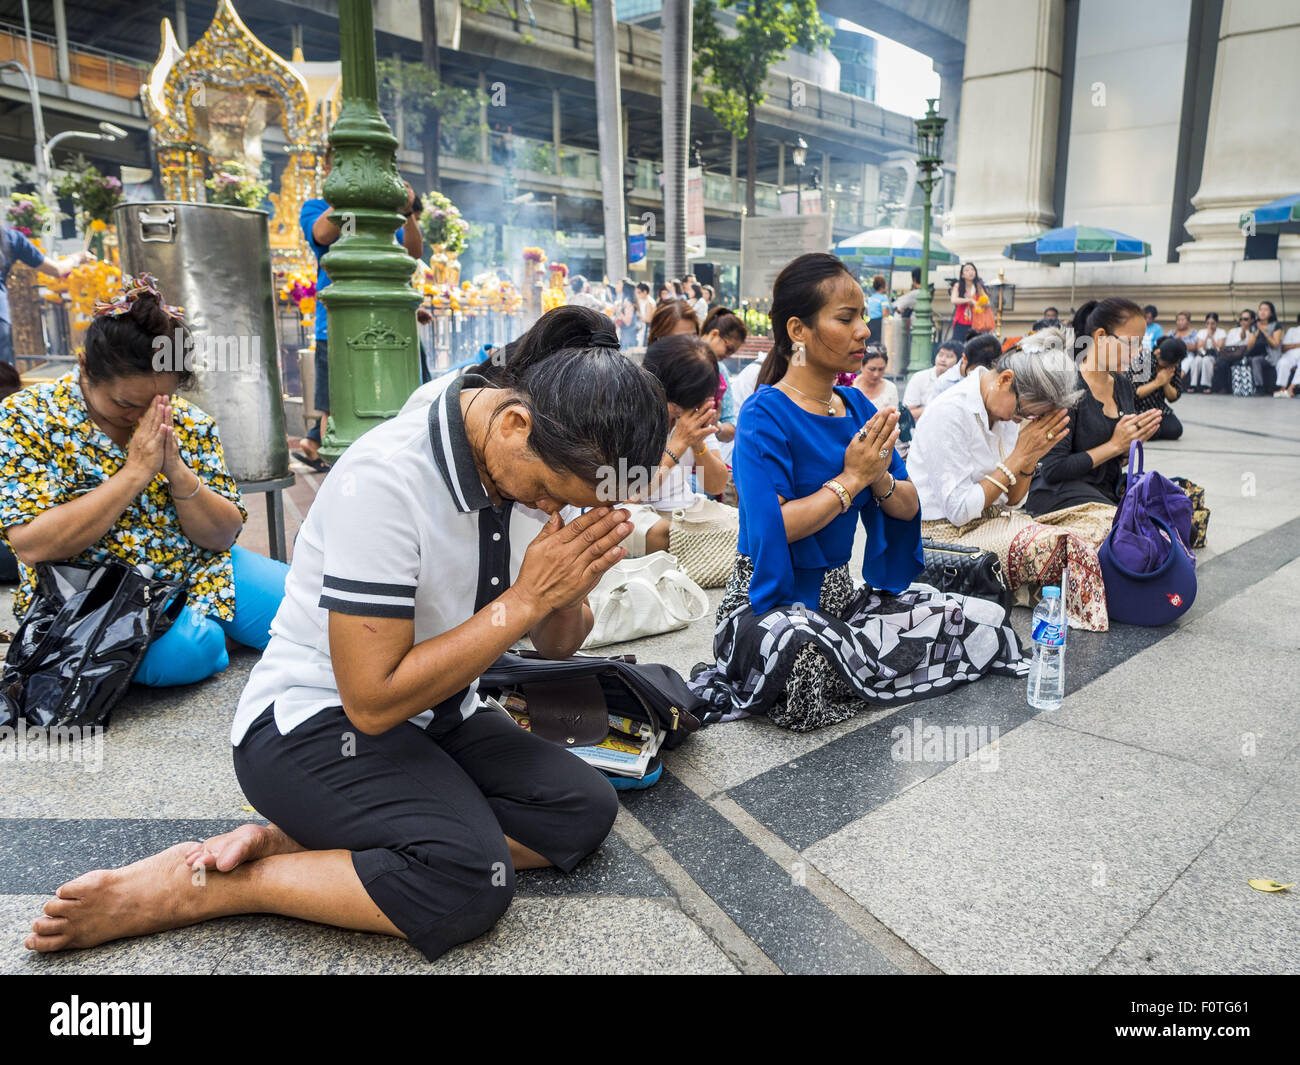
(974, 455)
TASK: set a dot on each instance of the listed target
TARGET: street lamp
(38, 122)
(800, 156)
(107, 132)
(929, 150)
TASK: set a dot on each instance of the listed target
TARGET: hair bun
(150, 314)
(605, 338)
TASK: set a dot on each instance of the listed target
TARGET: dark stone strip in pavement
(1233, 429)
(39, 854)
(820, 792)
(787, 922)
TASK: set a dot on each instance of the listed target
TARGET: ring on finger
(884, 453)
(862, 433)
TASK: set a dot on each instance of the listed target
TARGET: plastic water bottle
(1047, 671)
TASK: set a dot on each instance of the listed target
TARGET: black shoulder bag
(81, 641)
(960, 570)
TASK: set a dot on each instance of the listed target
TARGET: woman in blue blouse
(795, 639)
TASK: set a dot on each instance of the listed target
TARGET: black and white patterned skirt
(805, 669)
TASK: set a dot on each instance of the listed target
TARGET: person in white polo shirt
(399, 804)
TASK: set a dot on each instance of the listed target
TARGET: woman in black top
(1087, 464)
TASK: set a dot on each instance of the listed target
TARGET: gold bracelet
(846, 500)
(700, 452)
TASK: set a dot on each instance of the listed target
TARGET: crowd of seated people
(382, 622)
(1256, 340)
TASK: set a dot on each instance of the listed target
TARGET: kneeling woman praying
(400, 802)
(795, 639)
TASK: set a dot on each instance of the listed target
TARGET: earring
(799, 351)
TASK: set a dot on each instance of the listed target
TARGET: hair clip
(132, 289)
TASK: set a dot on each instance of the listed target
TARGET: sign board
(767, 244)
(636, 250)
(695, 244)
(809, 201)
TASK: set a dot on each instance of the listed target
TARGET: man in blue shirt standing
(1154, 330)
(320, 229)
(15, 248)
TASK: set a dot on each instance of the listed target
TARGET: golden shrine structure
(209, 105)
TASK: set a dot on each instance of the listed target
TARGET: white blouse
(887, 398)
(1220, 338)
(921, 387)
(953, 447)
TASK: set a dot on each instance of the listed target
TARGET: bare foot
(247, 843)
(148, 896)
(309, 447)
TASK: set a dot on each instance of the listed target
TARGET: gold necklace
(830, 407)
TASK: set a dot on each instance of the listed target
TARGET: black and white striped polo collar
(451, 450)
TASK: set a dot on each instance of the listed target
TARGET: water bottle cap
(1051, 591)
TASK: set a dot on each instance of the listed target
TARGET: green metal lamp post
(373, 344)
(929, 143)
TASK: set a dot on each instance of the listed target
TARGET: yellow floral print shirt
(51, 452)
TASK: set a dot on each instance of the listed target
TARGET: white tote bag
(644, 597)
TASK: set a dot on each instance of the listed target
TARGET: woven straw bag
(703, 537)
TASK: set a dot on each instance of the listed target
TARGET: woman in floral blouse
(105, 461)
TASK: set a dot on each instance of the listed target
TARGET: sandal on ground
(317, 464)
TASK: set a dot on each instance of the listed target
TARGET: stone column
(1006, 141)
(735, 158)
(870, 194)
(556, 130)
(950, 75)
(61, 41)
(484, 150)
(1251, 153)
(609, 130)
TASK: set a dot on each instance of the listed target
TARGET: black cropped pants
(426, 812)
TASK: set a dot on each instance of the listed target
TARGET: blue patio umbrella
(1280, 216)
(1077, 244)
(891, 248)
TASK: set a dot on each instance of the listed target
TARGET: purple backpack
(1149, 572)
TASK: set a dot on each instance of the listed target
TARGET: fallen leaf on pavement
(1269, 885)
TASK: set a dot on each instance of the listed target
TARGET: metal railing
(88, 67)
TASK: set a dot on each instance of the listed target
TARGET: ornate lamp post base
(374, 346)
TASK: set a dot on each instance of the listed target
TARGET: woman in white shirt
(1198, 366)
(684, 367)
(1289, 362)
(973, 457)
(645, 307)
(400, 803)
(872, 383)
(698, 303)
(920, 388)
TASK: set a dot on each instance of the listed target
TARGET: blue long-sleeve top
(783, 450)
